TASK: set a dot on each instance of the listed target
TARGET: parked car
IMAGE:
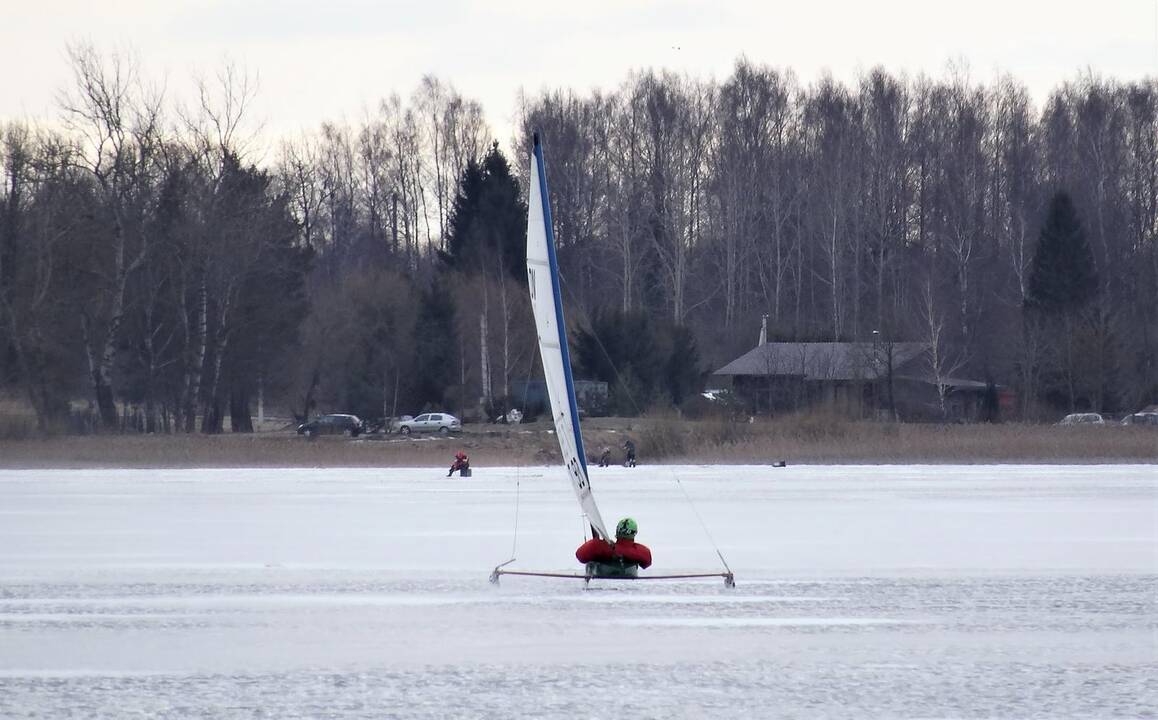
(430, 422)
(1082, 419)
(337, 424)
(1141, 418)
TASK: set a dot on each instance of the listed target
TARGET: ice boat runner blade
(728, 578)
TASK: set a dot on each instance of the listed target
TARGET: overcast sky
(329, 59)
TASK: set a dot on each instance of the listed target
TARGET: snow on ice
(903, 591)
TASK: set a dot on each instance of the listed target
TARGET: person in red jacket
(623, 558)
(461, 464)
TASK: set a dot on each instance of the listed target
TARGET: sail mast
(546, 301)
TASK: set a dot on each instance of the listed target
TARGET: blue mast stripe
(559, 307)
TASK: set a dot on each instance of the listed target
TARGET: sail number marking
(580, 481)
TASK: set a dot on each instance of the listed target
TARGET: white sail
(543, 281)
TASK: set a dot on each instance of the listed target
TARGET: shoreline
(807, 441)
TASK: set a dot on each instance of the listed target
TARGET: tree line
(155, 273)
(895, 208)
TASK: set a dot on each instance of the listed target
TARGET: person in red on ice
(461, 464)
(623, 558)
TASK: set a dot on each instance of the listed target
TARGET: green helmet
(626, 528)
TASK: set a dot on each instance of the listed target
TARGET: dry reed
(803, 439)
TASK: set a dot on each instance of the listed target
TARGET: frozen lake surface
(884, 591)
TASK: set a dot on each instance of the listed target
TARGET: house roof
(823, 361)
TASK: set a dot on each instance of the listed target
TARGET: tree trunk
(212, 421)
(506, 333)
(1030, 357)
(834, 277)
(1069, 359)
(102, 393)
(239, 418)
(199, 369)
(213, 425)
(484, 360)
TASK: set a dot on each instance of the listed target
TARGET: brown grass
(819, 439)
(808, 439)
(281, 449)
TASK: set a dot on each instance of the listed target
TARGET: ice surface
(882, 591)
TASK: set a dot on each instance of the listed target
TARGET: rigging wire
(518, 474)
(703, 525)
(515, 540)
(519, 460)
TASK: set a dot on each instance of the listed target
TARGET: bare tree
(676, 147)
(753, 197)
(832, 129)
(119, 123)
(39, 199)
(944, 363)
(454, 132)
(298, 173)
(887, 111)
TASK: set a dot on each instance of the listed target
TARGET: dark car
(337, 424)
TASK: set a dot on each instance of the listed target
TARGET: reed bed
(830, 441)
(258, 450)
(807, 439)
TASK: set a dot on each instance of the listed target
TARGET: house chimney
(763, 331)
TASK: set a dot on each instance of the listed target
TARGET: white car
(1082, 419)
(444, 423)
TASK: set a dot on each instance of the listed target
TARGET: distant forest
(159, 272)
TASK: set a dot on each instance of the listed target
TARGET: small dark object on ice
(779, 463)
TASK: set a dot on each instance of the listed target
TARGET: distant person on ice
(629, 448)
(605, 457)
(461, 464)
(621, 558)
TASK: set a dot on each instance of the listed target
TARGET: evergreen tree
(488, 220)
(643, 362)
(463, 214)
(379, 321)
(682, 371)
(504, 215)
(435, 345)
(271, 305)
(623, 349)
(1062, 282)
(261, 275)
(1062, 277)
